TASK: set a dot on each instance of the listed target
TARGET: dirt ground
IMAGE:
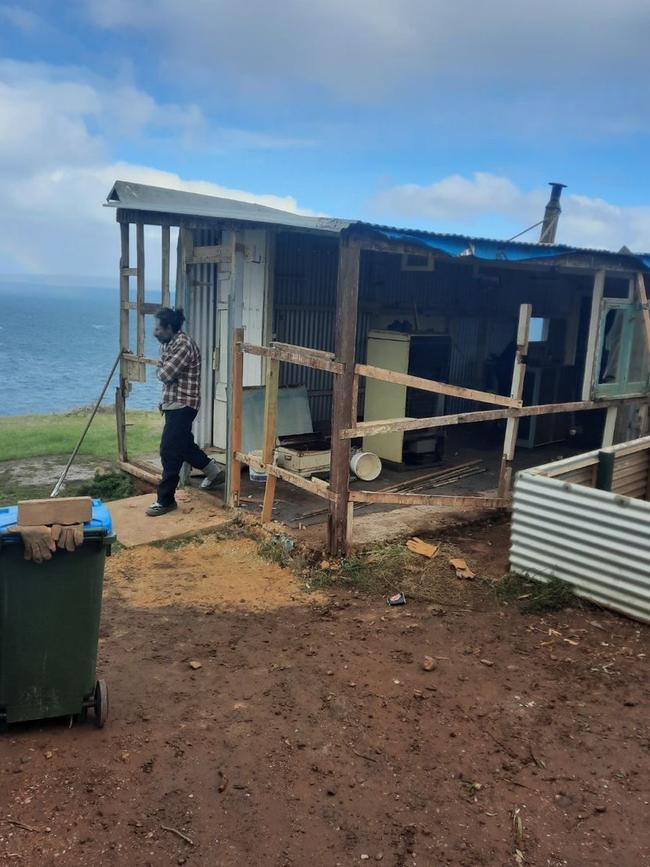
(312, 735)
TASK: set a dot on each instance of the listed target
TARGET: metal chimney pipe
(551, 214)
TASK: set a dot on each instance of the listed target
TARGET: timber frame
(344, 427)
(346, 372)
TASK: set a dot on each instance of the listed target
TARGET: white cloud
(486, 203)
(57, 140)
(534, 64)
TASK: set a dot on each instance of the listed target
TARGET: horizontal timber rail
(141, 359)
(370, 428)
(422, 384)
(295, 355)
(390, 498)
(312, 486)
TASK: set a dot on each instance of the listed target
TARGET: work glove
(38, 542)
(70, 536)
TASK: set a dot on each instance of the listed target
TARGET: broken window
(623, 357)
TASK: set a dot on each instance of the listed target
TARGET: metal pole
(61, 479)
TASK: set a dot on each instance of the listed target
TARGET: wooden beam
(645, 312)
(369, 428)
(295, 355)
(390, 498)
(140, 287)
(516, 392)
(315, 486)
(120, 422)
(307, 350)
(146, 308)
(345, 327)
(208, 255)
(270, 433)
(236, 416)
(142, 359)
(164, 281)
(431, 385)
(355, 398)
(139, 473)
(610, 426)
(593, 335)
(124, 286)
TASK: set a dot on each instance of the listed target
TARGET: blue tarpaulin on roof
(485, 248)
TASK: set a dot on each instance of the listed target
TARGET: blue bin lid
(99, 522)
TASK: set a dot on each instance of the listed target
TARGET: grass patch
(28, 436)
(379, 569)
(106, 487)
(535, 597)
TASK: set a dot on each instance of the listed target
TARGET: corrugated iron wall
(596, 541)
(201, 313)
(304, 311)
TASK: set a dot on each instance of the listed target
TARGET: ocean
(57, 347)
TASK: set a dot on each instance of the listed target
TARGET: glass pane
(638, 371)
(610, 360)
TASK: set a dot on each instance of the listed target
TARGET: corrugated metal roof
(142, 197)
(491, 248)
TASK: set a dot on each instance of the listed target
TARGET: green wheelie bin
(49, 625)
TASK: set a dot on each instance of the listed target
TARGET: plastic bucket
(256, 475)
(365, 466)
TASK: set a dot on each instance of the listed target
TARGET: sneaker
(156, 509)
(214, 475)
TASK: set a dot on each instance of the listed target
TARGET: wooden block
(64, 510)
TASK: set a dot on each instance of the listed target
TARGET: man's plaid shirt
(180, 372)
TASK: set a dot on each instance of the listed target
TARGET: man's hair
(168, 317)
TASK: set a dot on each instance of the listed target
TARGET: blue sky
(417, 112)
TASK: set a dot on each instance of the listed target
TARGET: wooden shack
(397, 336)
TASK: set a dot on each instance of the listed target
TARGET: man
(179, 371)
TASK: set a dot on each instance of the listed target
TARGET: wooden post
(165, 266)
(236, 408)
(592, 337)
(270, 433)
(140, 288)
(512, 424)
(347, 295)
(610, 426)
(120, 421)
(121, 390)
(645, 312)
(124, 287)
(355, 398)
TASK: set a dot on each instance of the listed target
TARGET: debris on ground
(461, 567)
(424, 548)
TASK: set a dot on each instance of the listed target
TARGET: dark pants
(177, 446)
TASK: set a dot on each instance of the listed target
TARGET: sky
(419, 113)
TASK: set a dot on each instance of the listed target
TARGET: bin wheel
(101, 703)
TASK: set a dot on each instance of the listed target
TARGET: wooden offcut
(63, 510)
